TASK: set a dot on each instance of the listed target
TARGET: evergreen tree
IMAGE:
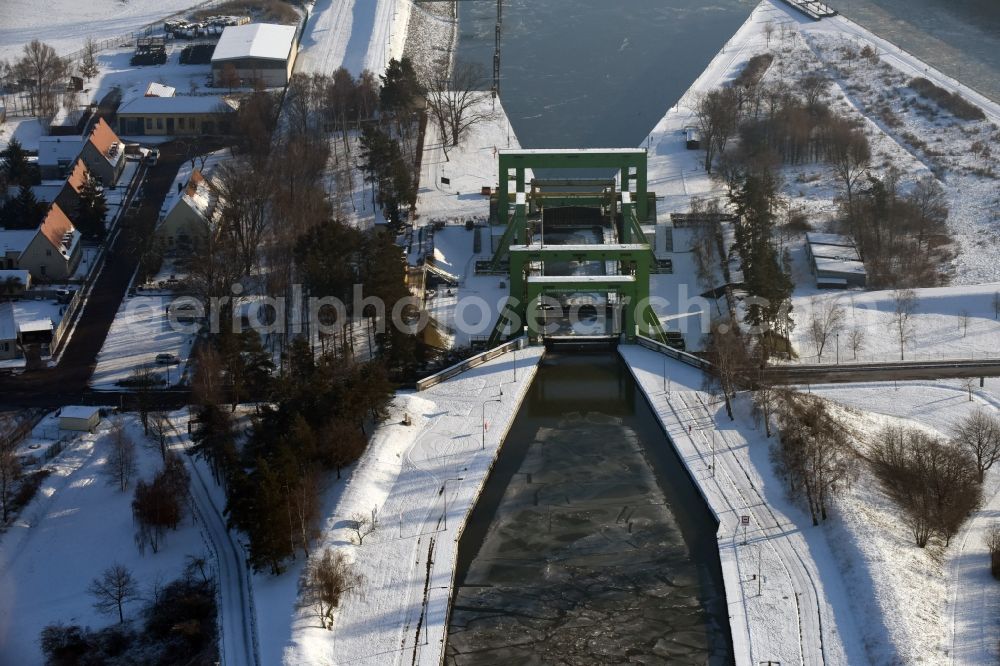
(92, 210)
(400, 87)
(23, 211)
(18, 169)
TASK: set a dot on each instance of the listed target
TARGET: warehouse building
(255, 53)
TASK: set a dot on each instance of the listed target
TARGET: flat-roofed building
(254, 53)
(187, 115)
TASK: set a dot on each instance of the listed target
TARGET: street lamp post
(484, 419)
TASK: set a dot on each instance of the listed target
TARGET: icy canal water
(594, 73)
(590, 544)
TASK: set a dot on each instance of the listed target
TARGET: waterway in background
(590, 544)
(593, 73)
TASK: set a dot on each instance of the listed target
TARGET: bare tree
(979, 432)
(113, 589)
(934, 482)
(10, 472)
(905, 305)
(726, 351)
(968, 384)
(363, 525)
(996, 304)
(716, 113)
(120, 465)
(45, 71)
(143, 381)
(856, 340)
(329, 578)
(159, 424)
(245, 193)
(963, 322)
(992, 542)
(769, 32)
(826, 316)
(850, 156)
(457, 102)
(930, 208)
(813, 453)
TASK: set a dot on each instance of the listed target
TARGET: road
(236, 621)
(876, 372)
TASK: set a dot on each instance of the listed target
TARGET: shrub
(953, 102)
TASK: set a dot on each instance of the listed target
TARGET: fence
(469, 363)
(676, 354)
(129, 38)
(847, 357)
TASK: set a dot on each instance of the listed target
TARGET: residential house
(104, 154)
(57, 154)
(68, 198)
(191, 216)
(54, 250)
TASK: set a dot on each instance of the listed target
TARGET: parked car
(167, 359)
(152, 156)
(65, 295)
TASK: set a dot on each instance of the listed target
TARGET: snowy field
(139, 332)
(423, 480)
(917, 605)
(65, 24)
(948, 323)
(76, 527)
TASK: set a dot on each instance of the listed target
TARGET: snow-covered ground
(949, 322)
(472, 309)
(423, 480)
(355, 34)
(26, 129)
(859, 90)
(803, 612)
(76, 527)
(66, 24)
(139, 332)
(933, 607)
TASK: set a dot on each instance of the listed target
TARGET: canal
(593, 73)
(590, 544)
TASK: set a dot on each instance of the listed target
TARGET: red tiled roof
(78, 177)
(56, 225)
(103, 137)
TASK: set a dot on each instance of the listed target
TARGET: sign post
(744, 521)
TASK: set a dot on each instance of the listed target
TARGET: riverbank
(421, 481)
(786, 603)
(432, 36)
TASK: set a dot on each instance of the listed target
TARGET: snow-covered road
(237, 646)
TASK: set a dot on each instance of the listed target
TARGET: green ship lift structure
(623, 203)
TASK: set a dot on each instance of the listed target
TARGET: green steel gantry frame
(632, 258)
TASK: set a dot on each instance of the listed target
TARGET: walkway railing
(471, 362)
